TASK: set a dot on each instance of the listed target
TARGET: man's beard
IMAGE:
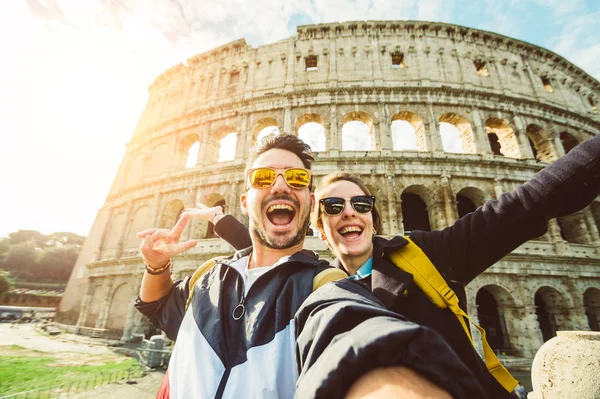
(275, 242)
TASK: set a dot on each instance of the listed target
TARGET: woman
(347, 217)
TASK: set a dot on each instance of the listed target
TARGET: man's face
(279, 215)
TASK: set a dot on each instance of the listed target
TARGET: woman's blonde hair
(328, 180)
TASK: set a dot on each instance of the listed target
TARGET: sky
(74, 76)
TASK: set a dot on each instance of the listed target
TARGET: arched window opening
(457, 134)
(357, 132)
(141, 220)
(227, 147)
(192, 157)
(504, 142)
(592, 104)
(264, 127)
(408, 132)
(533, 149)
(451, 138)
(491, 320)
(171, 214)
(313, 134)
(414, 213)
(542, 146)
(552, 312)
(573, 228)
(494, 144)
(404, 136)
(547, 84)
(568, 141)
(119, 308)
(267, 131)
(464, 205)
(591, 303)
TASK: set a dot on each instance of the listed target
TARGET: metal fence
(73, 388)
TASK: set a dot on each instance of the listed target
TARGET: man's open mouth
(351, 231)
(280, 214)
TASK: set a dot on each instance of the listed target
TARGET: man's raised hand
(160, 245)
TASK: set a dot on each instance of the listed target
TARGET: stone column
(98, 255)
(291, 61)
(449, 200)
(520, 131)
(333, 80)
(85, 304)
(287, 120)
(334, 138)
(123, 236)
(393, 216)
(432, 134)
(479, 132)
(385, 131)
(243, 139)
(129, 323)
(106, 303)
(559, 244)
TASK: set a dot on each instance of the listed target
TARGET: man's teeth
(350, 229)
(284, 207)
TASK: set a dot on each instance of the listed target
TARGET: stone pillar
(333, 80)
(432, 134)
(559, 244)
(123, 236)
(291, 61)
(385, 131)
(479, 132)
(85, 304)
(591, 227)
(244, 140)
(334, 138)
(531, 327)
(287, 120)
(129, 323)
(520, 131)
(498, 190)
(393, 216)
(449, 201)
(157, 212)
(105, 229)
(106, 303)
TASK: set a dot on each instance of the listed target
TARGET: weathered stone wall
(533, 101)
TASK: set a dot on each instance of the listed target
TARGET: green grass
(22, 373)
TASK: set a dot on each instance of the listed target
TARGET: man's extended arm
(226, 226)
(344, 332)
(481, 238)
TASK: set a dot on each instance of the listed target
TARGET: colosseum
(436, 118)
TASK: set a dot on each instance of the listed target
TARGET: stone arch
(574, 229)
(552, 311)
(114, 231)
(119, 307)
(170, 214)
(541, 145)
(203, 228)
(505, 135)
(184, 155)
(568, 141)
(358, 132)
(468, 199)
(221, 145)
(95, 306)
(417, 202)
(466, 134)
(263, 127)
(141, 219)
(311, 129)
(408, 132)
(495, 309)
(591, 303)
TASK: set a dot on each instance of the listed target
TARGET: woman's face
(349, 233)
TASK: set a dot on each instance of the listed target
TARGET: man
(234, 322)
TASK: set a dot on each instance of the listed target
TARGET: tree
(21, 259)
(57, 263)
(5, 284)
(28, 235)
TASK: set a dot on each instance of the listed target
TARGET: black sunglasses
(335, 205)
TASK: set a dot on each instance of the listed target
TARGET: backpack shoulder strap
(413, 260)
(326, 276)
(206, 266)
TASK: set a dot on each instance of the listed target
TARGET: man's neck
(265, 256)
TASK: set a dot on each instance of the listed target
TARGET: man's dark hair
(286, 142)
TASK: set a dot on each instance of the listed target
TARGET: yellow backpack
(326, 276)
(413, 260)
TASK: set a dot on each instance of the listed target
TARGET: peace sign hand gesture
(160, 245)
